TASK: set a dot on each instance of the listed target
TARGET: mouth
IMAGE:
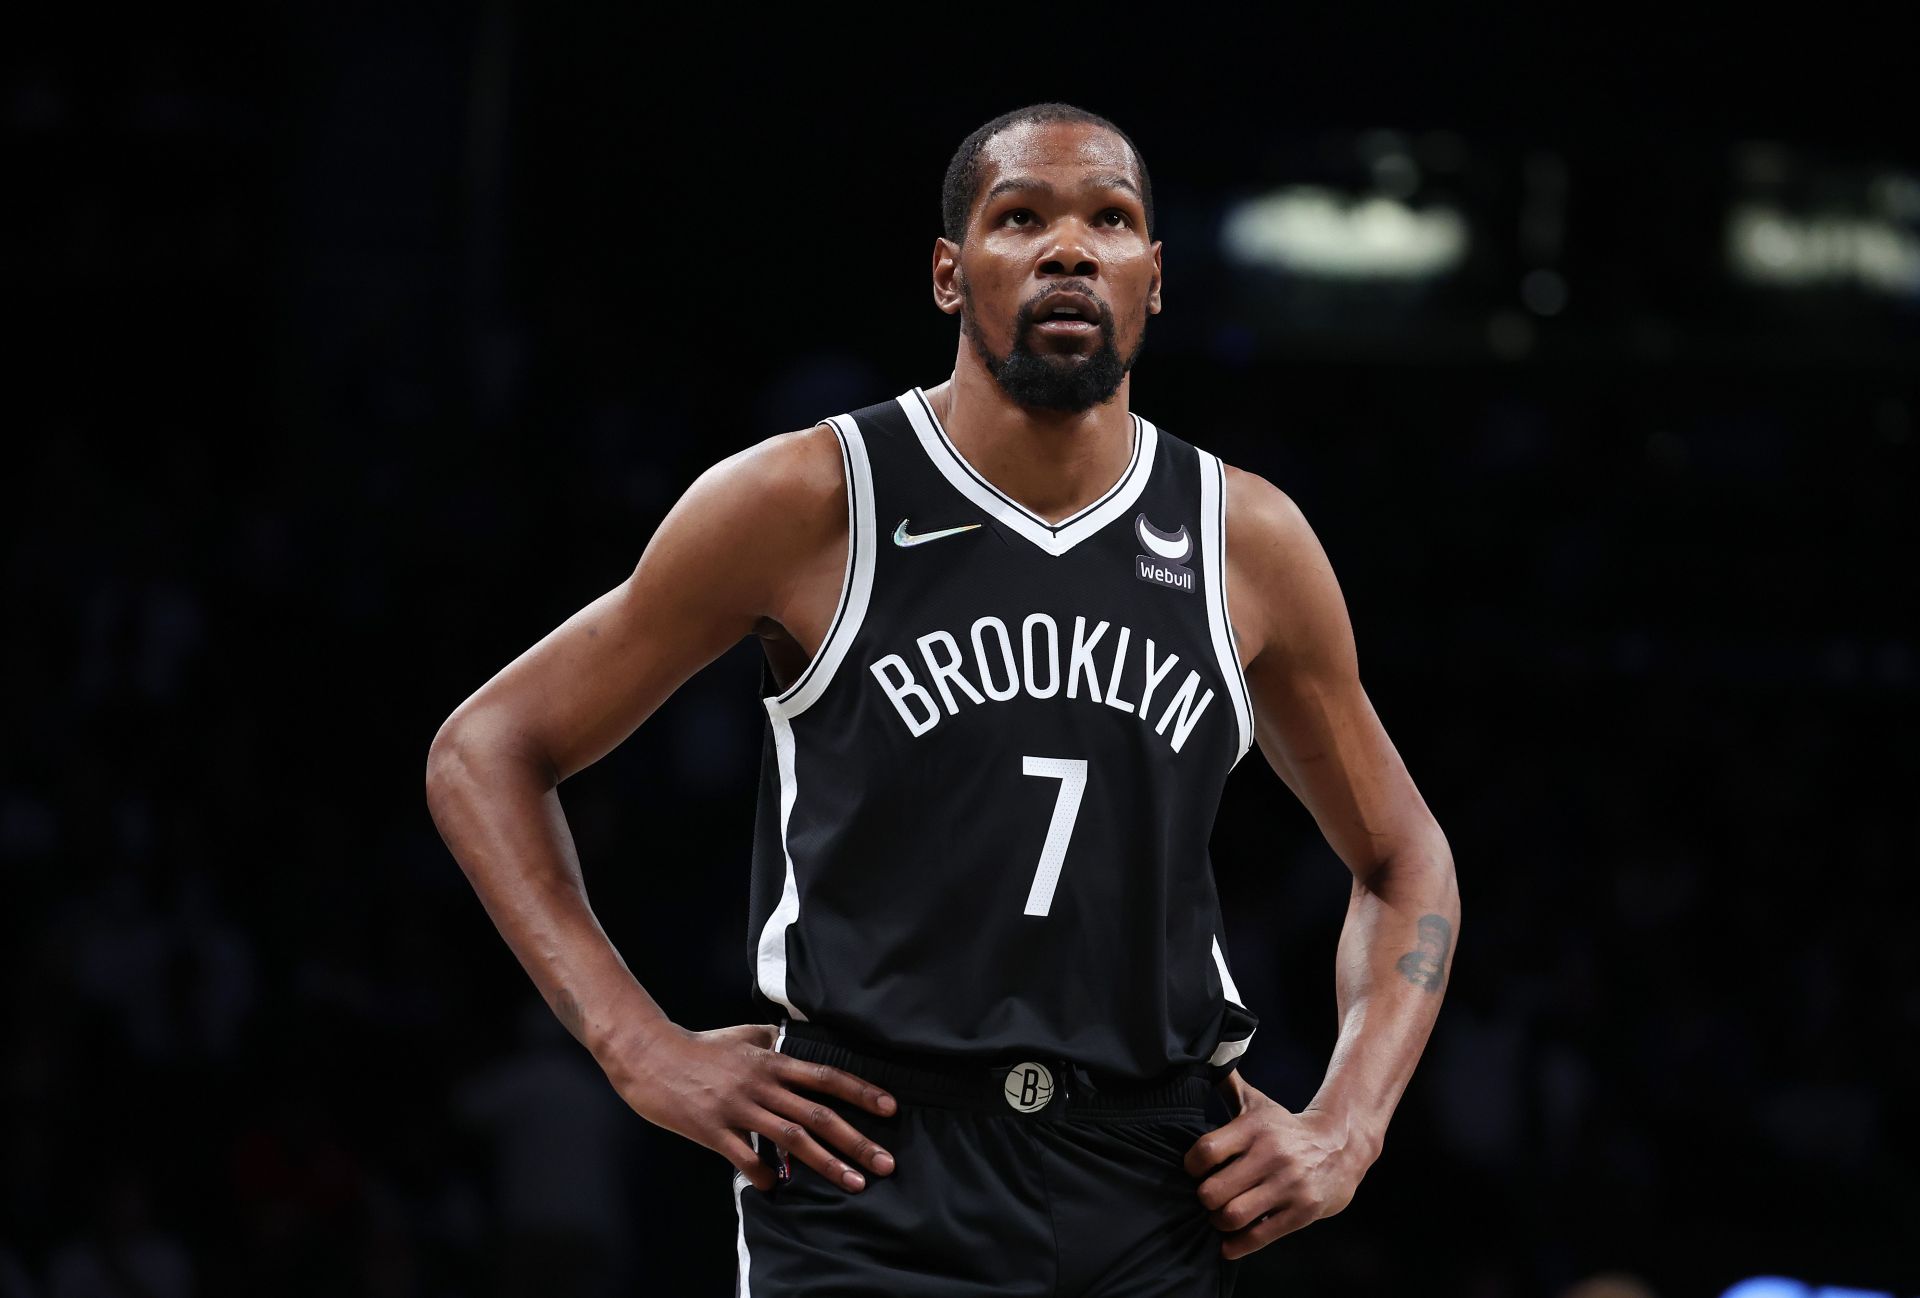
(1063, 328)
(1067, 315)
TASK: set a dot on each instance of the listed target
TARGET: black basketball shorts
(1009, 1180)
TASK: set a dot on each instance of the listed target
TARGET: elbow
(473, 750)
(458, 752)
(1438, 857)
(444, 762)
(1420, 871)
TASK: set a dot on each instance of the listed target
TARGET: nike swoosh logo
(901, 536)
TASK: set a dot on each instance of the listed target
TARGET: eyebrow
(1011, 184)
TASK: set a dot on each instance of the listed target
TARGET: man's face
(1058, 224)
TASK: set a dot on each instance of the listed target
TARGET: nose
(1070, 254)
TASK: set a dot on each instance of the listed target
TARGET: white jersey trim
(1227, 1051)
(1213, 552)
(770, 964)
(856, 584)
(1053, 538)
(856, 589)
(743, 1284)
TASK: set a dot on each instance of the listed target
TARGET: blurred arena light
(1773, 1286)
(1799, 225)
(1316, 231)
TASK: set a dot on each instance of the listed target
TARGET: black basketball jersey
(985, 804)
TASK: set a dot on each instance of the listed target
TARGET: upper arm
(732, 551)
(1312, 719)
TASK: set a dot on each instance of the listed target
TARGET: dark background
(357, 347)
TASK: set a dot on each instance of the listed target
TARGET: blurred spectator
(125, 1255)
(559, 1134)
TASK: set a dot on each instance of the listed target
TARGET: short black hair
(963, 173)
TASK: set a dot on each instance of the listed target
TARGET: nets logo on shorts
(1029, 1087)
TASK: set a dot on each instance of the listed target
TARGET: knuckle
(816, 1116)
(790, 1131)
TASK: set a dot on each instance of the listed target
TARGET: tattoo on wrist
(567, 1010)
(1426, 965)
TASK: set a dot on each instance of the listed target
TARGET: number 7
(1072, 774)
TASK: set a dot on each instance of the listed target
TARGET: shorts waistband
(1035, 1086)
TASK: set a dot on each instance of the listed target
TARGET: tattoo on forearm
(567, 1010)
(1426, 965)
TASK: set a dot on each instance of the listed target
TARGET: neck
(1054, 462)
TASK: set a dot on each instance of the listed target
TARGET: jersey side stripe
(1213, 542)
(743, 1282)
(856, 586)
(855, 591)
(1227, 1050)
(771, 959)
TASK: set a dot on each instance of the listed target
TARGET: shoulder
(750, 522)
(1282, 593)
(799, 471)
(785, 488)
(1262, 521)
(1260, 516)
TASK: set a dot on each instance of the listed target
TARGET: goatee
(1067, 382)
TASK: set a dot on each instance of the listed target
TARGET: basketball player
(1016, 636)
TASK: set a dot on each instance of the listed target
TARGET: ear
(1153, 293)
(947, 275)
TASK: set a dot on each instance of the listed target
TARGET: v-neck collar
(1054, 538)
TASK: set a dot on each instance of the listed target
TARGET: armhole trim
(856, 584)
(1213, 545)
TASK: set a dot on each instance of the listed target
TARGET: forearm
(1394, 955)
(499, 811)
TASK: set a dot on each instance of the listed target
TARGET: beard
(1067, 381)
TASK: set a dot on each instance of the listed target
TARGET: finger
(1263, 1233)
(794, 1138)
(1234, 1179)
(831, 1129)
(741, 1155)
(821, 1077)
(1217, 1146)
(1247, 1209)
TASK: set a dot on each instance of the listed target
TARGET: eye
(1114, 211)
(1018, 211)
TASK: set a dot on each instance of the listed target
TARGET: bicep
(712, 569)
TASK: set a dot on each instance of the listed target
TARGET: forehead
(1061, 153)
